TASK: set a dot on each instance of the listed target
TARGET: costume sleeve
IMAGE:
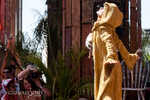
(130, 59)
(111, 51)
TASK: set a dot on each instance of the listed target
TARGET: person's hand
(88, 42)
(46, 91)
(38, 83)
(110, 62)
(90, 54)
(109, 65)
(31, 68)
(139, 53)
(26, 72)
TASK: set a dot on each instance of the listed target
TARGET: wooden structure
(10, 23)
(10, 18)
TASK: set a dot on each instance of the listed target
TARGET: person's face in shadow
(26, 84)
(7, 74)
(11, 86)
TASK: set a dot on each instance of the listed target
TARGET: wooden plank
(68, 13)
(126, 25)
(63, 25)
(2, 20)
(133, 26)
(87, 69)
(139, 37)
(76, 25)
(87, 11)
(68, 38)
(86, 63)
(86, 29)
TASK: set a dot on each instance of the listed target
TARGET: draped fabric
(108, 78)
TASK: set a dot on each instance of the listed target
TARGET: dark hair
(28, 63)
(10, 68)
(34, 87)
(13, 67)
(11, 82)
(32, 74)
(15, 61)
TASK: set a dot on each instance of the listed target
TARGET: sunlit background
(145, 14)
(33, 10)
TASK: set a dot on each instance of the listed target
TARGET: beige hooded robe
(108, 78)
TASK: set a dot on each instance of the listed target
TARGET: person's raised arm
(45, 90)
(25, 72)
(3, 64)
(129, 58)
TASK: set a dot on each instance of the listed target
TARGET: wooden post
(86, 68)
(63, 26)
(76, 25)
(67, 25)
(2, 6)
(133, 26)
(126, 24)
(139, 37)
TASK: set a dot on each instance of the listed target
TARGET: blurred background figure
(30, 82)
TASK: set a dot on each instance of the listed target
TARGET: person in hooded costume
(105, 45)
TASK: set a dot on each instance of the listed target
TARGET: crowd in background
(25, 84)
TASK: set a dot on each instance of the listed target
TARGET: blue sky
(31, 9)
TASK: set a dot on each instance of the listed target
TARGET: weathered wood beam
(133, 26)
(76, 25)
(139, 37)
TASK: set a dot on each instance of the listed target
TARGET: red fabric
(0, 86)
(10, 97)
(2, 20)
(0, 27)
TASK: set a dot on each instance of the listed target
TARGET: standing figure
(105, 44)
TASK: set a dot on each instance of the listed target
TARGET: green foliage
(40, 33)
(146, 57)
(86, 88)
(145, 42)
(145, 46)
(65, 82)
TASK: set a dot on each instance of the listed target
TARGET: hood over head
(111, 16)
